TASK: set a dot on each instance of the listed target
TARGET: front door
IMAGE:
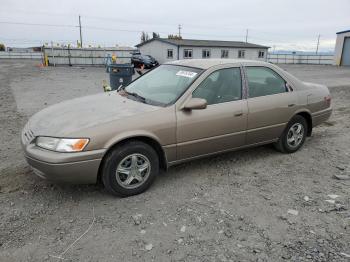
(219, 127)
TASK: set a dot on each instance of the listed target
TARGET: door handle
(239, 114)
(291, 105)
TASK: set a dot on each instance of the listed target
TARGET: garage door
(345, 59)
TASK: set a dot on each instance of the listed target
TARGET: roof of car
(207, 63)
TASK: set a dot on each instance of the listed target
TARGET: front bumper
(82, 172)
(77, 168)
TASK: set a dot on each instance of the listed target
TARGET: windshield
(163, 85)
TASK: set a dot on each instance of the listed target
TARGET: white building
(342, 48)
(164, 49)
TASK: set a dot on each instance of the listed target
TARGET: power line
(36, 24)
(161, 32)
(115, 19)
(190, 25)
(137, 31)
(38, 12)
(227, 36)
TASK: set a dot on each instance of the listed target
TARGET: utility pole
(318, 43)
(179, 30)
(246, 36)
(81, 37)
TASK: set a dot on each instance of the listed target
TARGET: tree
(2, 47)
(144, 37)
(155, 35)
(174, 37)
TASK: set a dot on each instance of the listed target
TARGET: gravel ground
(250, 205)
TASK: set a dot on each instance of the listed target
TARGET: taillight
(328, 100)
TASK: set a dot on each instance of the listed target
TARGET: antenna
(179, 30)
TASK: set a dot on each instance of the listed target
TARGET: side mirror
(195, 103)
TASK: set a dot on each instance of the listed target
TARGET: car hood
(62, 119)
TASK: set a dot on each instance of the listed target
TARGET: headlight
(62, 144)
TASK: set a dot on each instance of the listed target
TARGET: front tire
(130, 169)
(294, 136)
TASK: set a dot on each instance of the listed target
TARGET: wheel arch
(147, 139)
(307, 116)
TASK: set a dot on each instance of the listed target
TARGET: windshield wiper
(140, 98)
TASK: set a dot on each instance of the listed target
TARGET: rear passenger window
(221, 86)
(263, 81)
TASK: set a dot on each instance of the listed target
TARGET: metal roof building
(342, 48)
(164, 49)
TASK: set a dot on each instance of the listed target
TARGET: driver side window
(223, 85)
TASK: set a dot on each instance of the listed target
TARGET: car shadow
(225, 160)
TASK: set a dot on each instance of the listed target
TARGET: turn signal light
(80, 144)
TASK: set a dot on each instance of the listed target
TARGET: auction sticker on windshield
(188, 74)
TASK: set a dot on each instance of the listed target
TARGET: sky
(281, 24)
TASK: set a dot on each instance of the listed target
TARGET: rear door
(271, 104)
(219, 127)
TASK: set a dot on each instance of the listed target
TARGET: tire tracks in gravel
(11, 122)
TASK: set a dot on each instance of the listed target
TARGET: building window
(224, 53)
(205, 53)
(170, 53)
(187, 53)
(261, 54)
(241, 53)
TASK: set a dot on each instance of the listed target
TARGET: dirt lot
(251, 205)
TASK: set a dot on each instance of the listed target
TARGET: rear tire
(130, 169)
(294, 135)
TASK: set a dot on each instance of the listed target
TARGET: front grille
(27, 134)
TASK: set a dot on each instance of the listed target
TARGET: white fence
(97, 56)
(86, 56)
(74, 56)
(20, 55)
(301, 59)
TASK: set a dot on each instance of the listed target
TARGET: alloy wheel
(295, 135)
(133, 170)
